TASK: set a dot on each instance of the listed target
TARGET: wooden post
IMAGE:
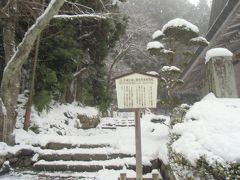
(123, 176)
(138, 145)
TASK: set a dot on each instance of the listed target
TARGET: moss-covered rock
(88, 122)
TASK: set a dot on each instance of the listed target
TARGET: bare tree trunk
(9, 30)
(10, 81)
(77, 83)
(118, 57)
(31, 91)
(9, 40)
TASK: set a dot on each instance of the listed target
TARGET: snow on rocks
(154, 45)
(170, 68)
(217, 52)
(211, 129)
(157, 34)
(61, 119)
(178, 22)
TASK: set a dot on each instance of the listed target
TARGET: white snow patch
(157, 34)
(211, 129)
(199, 39)
(154, 45)
(106, 174)
(154, 73)
(170, 68)
(178, 22)
(217, 52)
(166, 51)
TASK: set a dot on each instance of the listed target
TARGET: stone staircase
(85, 159)
(114, 123)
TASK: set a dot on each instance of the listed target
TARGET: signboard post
(136, 91)
(138, 144)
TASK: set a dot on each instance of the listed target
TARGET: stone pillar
(221, 77)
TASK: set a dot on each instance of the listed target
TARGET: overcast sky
(196, 1)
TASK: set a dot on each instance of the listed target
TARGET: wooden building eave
(223, 29)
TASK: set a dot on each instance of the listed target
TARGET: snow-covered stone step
(66, 175)
(89, 166)
(79, 154)
(48, 175)
(57, 146)
(124, 125)
(117, 122)
(81, 157)
(109, 127)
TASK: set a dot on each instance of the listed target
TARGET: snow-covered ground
(211, 129)
(154, 136)
(121, 139)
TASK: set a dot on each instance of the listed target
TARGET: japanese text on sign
(136, 91)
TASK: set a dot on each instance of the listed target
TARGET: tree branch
(82, 16)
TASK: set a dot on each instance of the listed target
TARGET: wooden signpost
(136, 91)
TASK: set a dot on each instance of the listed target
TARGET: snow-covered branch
(81, 16)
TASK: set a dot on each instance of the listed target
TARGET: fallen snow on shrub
(154, 73)
(199, 39)
(157, 34)
(154, 45)
(170, 68)
(211, 129)
(178, 22)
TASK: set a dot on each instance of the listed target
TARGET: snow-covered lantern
(220, 73)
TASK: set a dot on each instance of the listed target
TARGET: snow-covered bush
(206, 143)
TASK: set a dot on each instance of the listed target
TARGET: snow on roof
(170, 68)
(210, 129)
(154, 73)
(178, 22)
(216, 52)
(154, 45)
(157, 34)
